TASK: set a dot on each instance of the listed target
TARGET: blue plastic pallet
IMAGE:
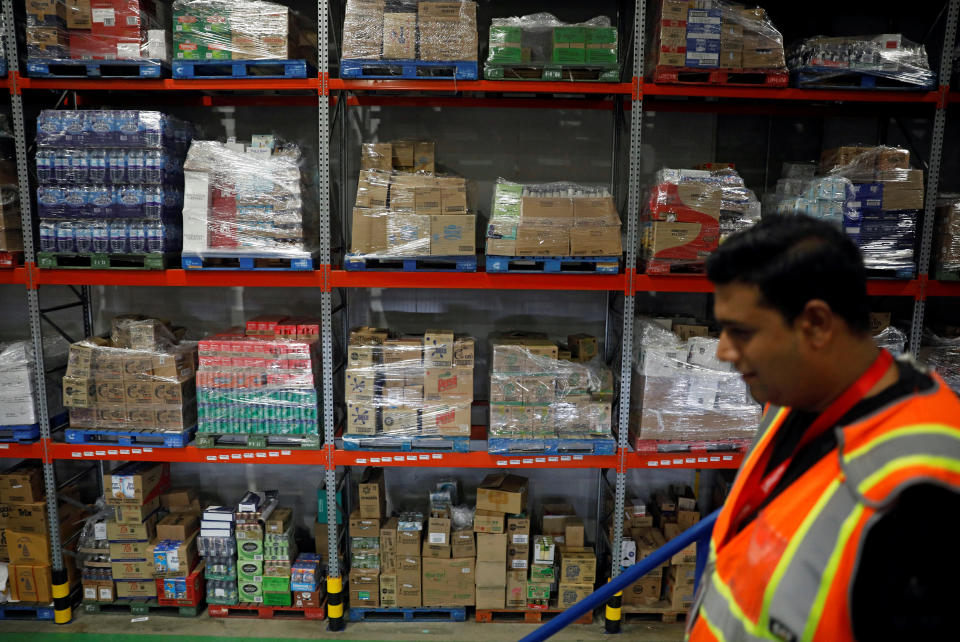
(205, 69)
(554, 264)
(151, 68)
(854, 79)
(3, 67)
(552, 446)
(260, 262)
(425, 443)
(409, 69)
(25, 611)
(354, 263)
(28, 433)
(148, 438)
(424, 614)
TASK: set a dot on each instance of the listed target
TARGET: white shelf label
(541, 460)
(211, 458)
(701, 460)
(578, 458)
(728, 458)
(261, 455)
(553, 459)
(436, 456)
(285, 453)
(274, 453)
(678, 462)
(514, 462)
(236, 455)
(248, 455)
(691, 460)
(411, 458)
(112, 452)
(148, 450)
(124, 451)
(88, 453)
(224, 457)
(714, 459)
(136, 451)
(565, 458)
(424, 457)
(374, 460)
(386, 460)
(5, 446)
(528, 460)
(361, 461)
(651, 464)
(75, 454)
(101, 453)
(502, 462)
(664, 462)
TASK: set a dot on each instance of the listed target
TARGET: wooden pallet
(729, 77)
(529, 616)
(831, 78)
(659, 612)
(260, 262)
(553, 264)
(147, 438)
(251, 611)
(26, 611)
(218, 440)
(142, 607)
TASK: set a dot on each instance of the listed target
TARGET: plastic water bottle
(84, 237)
(151, 128)
(100, 199)
(101, 236)
(135, 166)
(155, 236)
(61, 166)
(73, 127)
(128, 126)
(76, 197)
(153, 202)
(48, 236)
(51, 200)
(131, 200)
(117, 164)
(118, 236)
(153, 166)
(65, 239)
(50, 126)
(79, 166)
(97, 165)
(138, 237)
(101, 126)
(45, 164)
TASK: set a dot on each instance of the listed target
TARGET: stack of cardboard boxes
(947, 244)
(367, 554)
(444, 31)
(140, 379)
(718, 34)
(520, 41)
(250, 519)
(554, 219)
(134, 490)
(175, 555)
(11, 238)
(18, 381)
(681, 221)
(236, 30)
(409, 386)
(503, 541)
(24, 532)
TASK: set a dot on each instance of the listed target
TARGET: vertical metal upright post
(59, 584)
(933, 173)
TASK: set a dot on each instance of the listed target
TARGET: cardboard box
(388, 590)
(136, 514)
(491, 597)
(143, 531)
(436, 551)
(503, 493)
(364, 588)
(408, 544)
(683, 574)
(645, 591)
(373, 495)
(569, 593)
(408, 592)
(438, 530)
(686, 556)
(28, 548)
(518, 556)
(554, 518)
(363, 527)
(369, 234)
(136, 588)
(307, 599)
(438, 348)
(134, 484)
(516, 594)
(453, 235)
(448, 582)
(485, 521)
(132, 570)
(534, 239)
(578, 566)
(129, 550)
(98, 591)
(399, 36)
(31, 582)
(518, 529)
(595, 240)
(462, 544)
(679, 596)
(388, 538)
(573, 533)
(22, 484)
(177, 526)
(492, 547)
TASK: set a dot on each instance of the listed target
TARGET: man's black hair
(793, 260)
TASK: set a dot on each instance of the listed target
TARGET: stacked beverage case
(110, 182)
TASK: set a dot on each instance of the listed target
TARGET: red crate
(196, 584)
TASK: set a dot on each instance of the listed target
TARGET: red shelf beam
(169, 84)
(943, 288)
(470, 460)
(189, 454)
(22, 451)
(503, 86)
(790, 93)
(183, 278)
(684, 460)
(477, 281)
(694, 283)
(13, 276)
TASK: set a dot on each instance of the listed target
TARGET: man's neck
(856, 361)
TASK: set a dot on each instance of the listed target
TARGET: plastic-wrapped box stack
(942, 353)
(18, 384)
(217, 544)
(410, 30)
(541, 403)
(11, 238)
(246, 200)
(553, 219)
(540, 47)
(140, 381)
(407, 388)
(681, 391)
(824, 60)
(366, 531)
(252, 512)
(307, 580)
(947, 239)
(175, 553)
(725, 36)
(110, 182)
(260, 380)
(688, 212)
(238, 30)
(871, 192)
(98, 30)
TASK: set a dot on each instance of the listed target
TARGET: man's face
(760, 344)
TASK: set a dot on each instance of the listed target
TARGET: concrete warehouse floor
(120, 628)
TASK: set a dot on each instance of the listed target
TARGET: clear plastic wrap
(947, 239)
(11, 238)
(943, 355)
(552, 219)
(539, 46)
(412, 214)
(246, 200)
(892, 339)
(110, 182)
(871, 193)
(681, 391)
(534, 396)
(689, 211)
(258, 385)
(18, 380)
(410, 30)
(397, 389)
(142, 380)
(119, 30)
(210, 30)
(886, 56)
(724, 36)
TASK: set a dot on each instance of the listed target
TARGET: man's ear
(818, 323)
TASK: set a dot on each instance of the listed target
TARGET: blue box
(696, 29)
(703, 45)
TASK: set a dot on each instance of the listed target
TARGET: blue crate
(144, 438)
(554, 264)
(151, 68)
(206, 69)
(407, 443)
(552, 446)
(355, 263)
(247, 262)
(409, 69)
(25, 611)
(423, 614)
(29, 433)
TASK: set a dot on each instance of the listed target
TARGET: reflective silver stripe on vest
(716, 609)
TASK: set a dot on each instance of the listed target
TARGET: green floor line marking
(122, 637)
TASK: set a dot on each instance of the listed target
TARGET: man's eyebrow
(723, 323)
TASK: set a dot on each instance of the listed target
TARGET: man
(838, 525)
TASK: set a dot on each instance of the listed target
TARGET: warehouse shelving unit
(635, 96)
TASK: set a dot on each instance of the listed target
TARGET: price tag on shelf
(678, 462)
(502, 462)
(578, 458)
(728, 458)
(76, 454)
(273, 453)
(88, 453)
(664, 462)
(386, 460)
(553, 459)
(248, 455)
(124, 451)
(514, 462)
(565, 458)
(651, 464)
(436, 456)
(691, 460)
(224, 457)
(101, 453)
(411, 458)
(236, 456)
(148, 450)
(528, 460)
(211, 458)
(541, 460)
(361, 461)
(112, 452)
(424, 457)
(5, 446)
(701, 460)
(261, 455)
(285, 453)
(374, 460)
(714, 459)
(135, 451)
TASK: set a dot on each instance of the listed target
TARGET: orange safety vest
(788, 575)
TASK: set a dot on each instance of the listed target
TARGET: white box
(196, 210)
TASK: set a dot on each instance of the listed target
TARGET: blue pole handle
(700, 531)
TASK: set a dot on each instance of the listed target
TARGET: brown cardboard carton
(136, 488)
(376, 156)
(686, 556)
(644, 591)
(492, 547)
(98, 591)
(364, 588)
(518, 529)
(363, 526)
(448, 582)
(518, 556)
(388, 537)
(361, 418)
(583, 347)
(554, 518)
(423, 156)
(462, 544)
(400, 37)
(307, 599)
(130, 550)
(388, 590)
(372, 190)
(22, 484)
(136, 514)
(136, 588)
(408, 592)
(573, 533)
(177, 526)
(503, 493)
(146, 530)
(436, 551)
(373, 495)
(438, 530)
(591, 240)
(683, 574)
(535, 239)
(132, 569)
(31, 582)
(578, 566)
(485, 521)
(546, 209)
(438, 348)
(403, 152)
(28, 548)
(569, 593)
(453, 235)
(369, 231)
(491, 597)
(408, 544)
(78, 14)
(426, 200)
(679, 596)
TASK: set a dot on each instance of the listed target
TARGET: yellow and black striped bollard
(335, 603)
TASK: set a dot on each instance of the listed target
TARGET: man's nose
(725, 350)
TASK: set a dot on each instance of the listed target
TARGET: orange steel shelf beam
(169, 84)
(943, 288)
(477, 281)
(189, 454)
(694, 283)
(15, 276)
(791, 93)
(183, 278)
(503, 86)
(22, 451)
